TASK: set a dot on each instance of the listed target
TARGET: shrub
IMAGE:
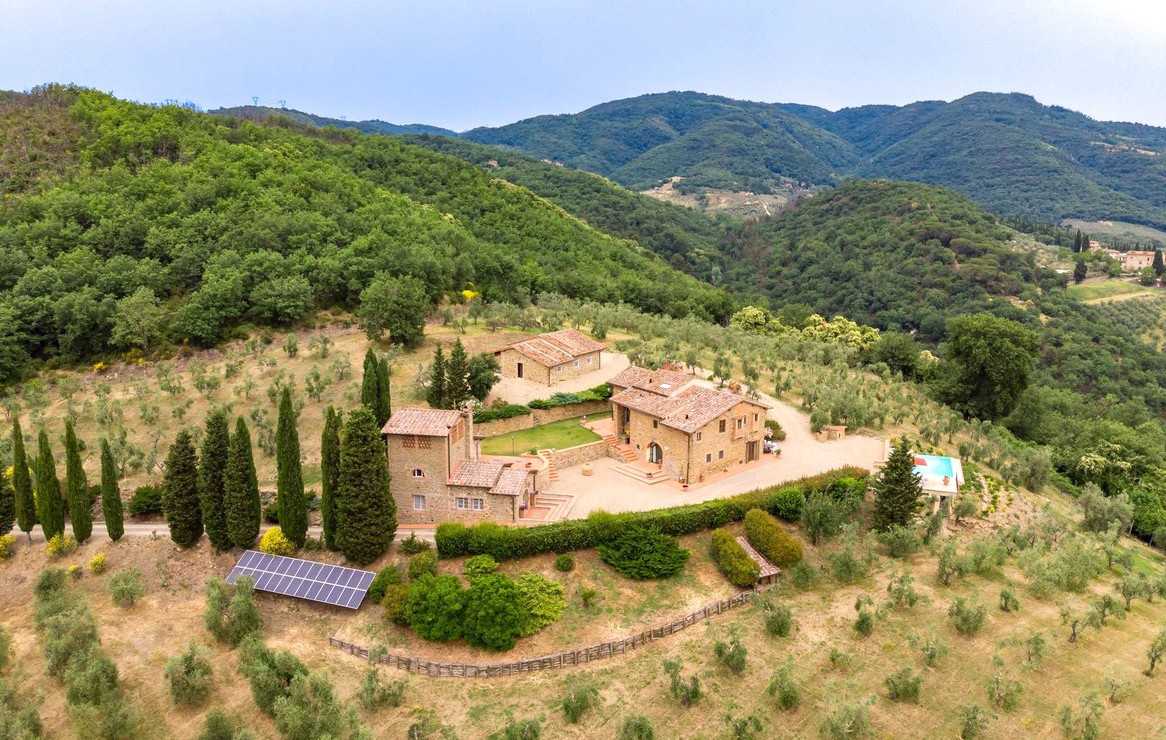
(189, 676)
(506, 543)
(492, 616)
(732, 560)
(904, 686)
(1008, 601)
(74, 572)
(847, 722)
(778, 619)
(768, 538)
(637, 727)
(231, 614)
(479, 565)
(932, 650)
(97, 564)
(774, 427)
(50, 581)
(900, 541)
(577, 701)
(684, 690)
(499, 412)
(783, 688)
(864, 623)
(269, 672)
(412, 545)
(731, 654)
(7, 546)
(587, 596)
(803, 576)
(1003, 692)
(901, 591)
(434, 607)
(146, 501)
(275, 542)
(60, 545)
(376, 694)
(967, 618)
(219, 726)
(973, 722)
(5, 652)
(395, 602)
(527, 729)
(423, 563)
(565, 563)
(387, 576)
(644, 553)
(839, 660)
(541, 602)
(126, 587)
(1085, 723)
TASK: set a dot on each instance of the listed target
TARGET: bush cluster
(126, 587)
(387, 576)
(189, 676)
(601, 392)
(506, 543)
(231, 614)
(766, 535)
(643, 553)
(7, 546)
(732, 560)
(275, 542)
(146, 501)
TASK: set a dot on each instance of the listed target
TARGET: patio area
(515, 390)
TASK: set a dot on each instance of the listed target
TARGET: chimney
(471, 447)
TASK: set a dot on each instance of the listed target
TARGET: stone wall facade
(535, 372)
(419, 466)
(579, 454)
(540, 416)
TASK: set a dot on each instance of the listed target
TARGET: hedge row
(732, 560)
(506, 543)
(497, 413)
(601, 392)
(768, 538)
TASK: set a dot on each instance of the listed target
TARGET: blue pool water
(934, 465)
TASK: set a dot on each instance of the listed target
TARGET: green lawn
(1103, 289)
(557, 435)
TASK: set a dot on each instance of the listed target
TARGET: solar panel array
(303, 579)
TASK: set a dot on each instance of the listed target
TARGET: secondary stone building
(437, 474)
(688, 430)
(550, 358)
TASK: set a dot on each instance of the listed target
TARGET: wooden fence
(549, 662)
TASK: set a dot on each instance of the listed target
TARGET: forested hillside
(150, 225)
(372, 126)
(1010, 153)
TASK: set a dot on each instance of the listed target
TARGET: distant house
(687, 430)
(437, 474)
(941, 476)
(1136, 260)
(550, 358)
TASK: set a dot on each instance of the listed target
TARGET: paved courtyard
(515, 390)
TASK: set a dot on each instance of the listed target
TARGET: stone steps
(639, 474)
(548, 507)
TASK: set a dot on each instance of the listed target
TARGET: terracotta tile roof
(661, 382)
(512, 482)
(557, 347)
(477, 474)
(689, 410)
(421, 422)
(767, 568)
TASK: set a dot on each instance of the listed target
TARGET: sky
(464, 64)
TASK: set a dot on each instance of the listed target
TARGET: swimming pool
(934, 465)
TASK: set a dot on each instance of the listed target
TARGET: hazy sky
(464, 64)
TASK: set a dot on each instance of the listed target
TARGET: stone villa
(438, 475)
(550, 358)
(686, 430)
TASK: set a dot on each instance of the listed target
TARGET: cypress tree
(1077, 241)
(457, 373)
(77, 487)
(436, 393)
(898, 489)
(1159, 266)
(384, 407)
(111, 508)
(22, 482)
(180, 496)
(370, 380)
(329, 475)
(1080, 270)
(242, 489)
(366, 516)
(7, 505)
(212, 475)
(50, 507)
(293, 509)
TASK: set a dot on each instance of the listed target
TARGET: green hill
(373, 126)
(212, 221)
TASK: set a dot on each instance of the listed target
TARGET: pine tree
(1080, 271)
(436, 393)
(111, 507)
(1077, 241)
(50, 507)
(898, 489)
(457, 373)
(22, 482)
(329, 475)
(77, 487)
(366, 516)
(180, 494)
(384, 407)
(7, 505)
(293, 509)
(370, 380)
(1159, 266)
(212, 476)
(242, 489)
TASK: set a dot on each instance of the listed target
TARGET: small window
(463, 502)
(741, 422)
(708, 457)
(477, 504)
(754, 418)
(721, 455)
(698, 436)
(722, 426)
(418, 503)
(655, 424)
(418, 473)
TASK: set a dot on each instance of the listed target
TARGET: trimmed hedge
(601, 392)
(732, 560)
(768, 538)
(506, 543)
(497, 413)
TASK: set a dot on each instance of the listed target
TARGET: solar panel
(303, 579)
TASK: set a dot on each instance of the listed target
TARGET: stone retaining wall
(538, 417)
(579, 454)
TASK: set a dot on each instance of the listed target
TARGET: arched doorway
(655, 453)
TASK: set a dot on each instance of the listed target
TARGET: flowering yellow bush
(60, 544)
(273, 542)
(74, 571)
(7, 546)
(97, 563)
(469, 295)
(99, 367)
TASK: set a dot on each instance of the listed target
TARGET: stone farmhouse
(550, 358)
(1134, 260)
(438, 475)
(685, 430)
